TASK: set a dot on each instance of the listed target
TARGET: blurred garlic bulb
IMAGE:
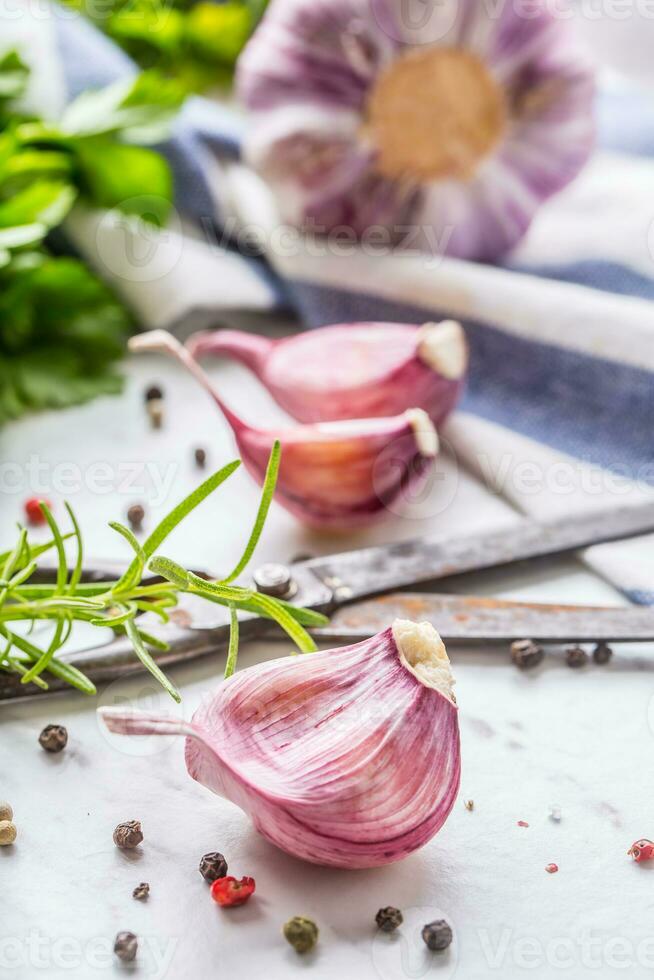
(348, 757)
(333, 474)
(352, 370)
(446, 124)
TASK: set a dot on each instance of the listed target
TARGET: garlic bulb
(335, 474)
(352, 370)
(444, 125)
(348, 757)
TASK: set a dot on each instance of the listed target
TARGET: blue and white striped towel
(559, 412)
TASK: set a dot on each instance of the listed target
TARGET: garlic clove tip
(443, 347)
(424, 432)
(423, 653)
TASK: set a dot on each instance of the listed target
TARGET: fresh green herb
(119, 604)
(62, 330)
(197, 42)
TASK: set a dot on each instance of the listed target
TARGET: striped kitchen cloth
(559, 412)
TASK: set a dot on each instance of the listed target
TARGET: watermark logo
(149, 698)
(138, 250)
(412, 486)
(141, 479)
(416, 21)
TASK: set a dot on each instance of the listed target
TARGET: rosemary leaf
(232, 653)
(148, 662)
(266, 499)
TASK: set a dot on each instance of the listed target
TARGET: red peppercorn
(232, 891)
(551, 868)
(642, 850)
(33, 511)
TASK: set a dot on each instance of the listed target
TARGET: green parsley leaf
(13, 75)
(132, 178)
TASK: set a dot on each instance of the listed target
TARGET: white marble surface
(581, 740)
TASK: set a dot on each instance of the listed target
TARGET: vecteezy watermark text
(38, 951)
(502, 948)
(147, 478)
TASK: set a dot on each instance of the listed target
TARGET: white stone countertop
(580, 740)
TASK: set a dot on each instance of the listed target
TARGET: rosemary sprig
(119, 604)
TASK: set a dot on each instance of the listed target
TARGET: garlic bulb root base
(423, 652)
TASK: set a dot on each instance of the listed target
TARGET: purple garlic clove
(348, 757)
(352, 370)
(334, 474)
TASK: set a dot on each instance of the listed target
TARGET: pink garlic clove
(347, 757)
(333, 474)
(352, 370)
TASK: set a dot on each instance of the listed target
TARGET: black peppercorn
(388, 919)
(128, 834)
(200, 456)
(212, 866)
(602, 653)
(576, 657)
(135, 515)
(437, 935)
(53, 738)
(125, 946)
(301, 933)
(153, 393)
(525, 654)
(141, 891)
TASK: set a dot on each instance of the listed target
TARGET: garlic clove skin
(348, 758)
(345, 474)
(333, 475)
(353, 370)
(455, 119)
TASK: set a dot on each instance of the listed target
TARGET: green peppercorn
(388, 919)
(301, 933)
(437, 935)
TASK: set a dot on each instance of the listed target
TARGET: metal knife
(333, 581)
(473, 619)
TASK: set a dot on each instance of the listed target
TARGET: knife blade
(369, 571)
(328, 583)
(474, 619)
(458, 618)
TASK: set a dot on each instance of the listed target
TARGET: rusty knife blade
(475, 619)
(369, 571)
